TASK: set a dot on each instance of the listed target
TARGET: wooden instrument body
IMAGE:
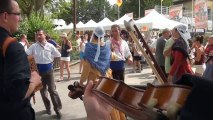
(165, 95)
(133, 101)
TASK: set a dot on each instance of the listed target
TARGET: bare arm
(35, 80)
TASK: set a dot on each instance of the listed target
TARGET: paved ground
(74, 109)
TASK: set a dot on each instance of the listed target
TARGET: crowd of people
(101, 55)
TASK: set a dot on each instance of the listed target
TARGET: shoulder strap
(6, 43)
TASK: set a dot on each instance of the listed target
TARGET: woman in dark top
(65, 56)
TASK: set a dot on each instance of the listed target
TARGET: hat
(63, 34)
(99, 32)
(182, 30)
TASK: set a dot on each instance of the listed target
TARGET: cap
(99, 32)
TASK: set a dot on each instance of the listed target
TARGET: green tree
(144, 5)
(33, 23)
(30, 6)
(86, 10)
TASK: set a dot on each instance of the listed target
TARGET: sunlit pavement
(74, 109)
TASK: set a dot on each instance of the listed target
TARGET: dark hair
(40, 29)
(199, 39)
(95, 37)
(6, 6)
(115, 25)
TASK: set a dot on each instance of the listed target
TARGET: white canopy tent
(69, 27)
(105, 23)
(154, 20)
(90, 25)
(80, 26)
(59, 22)
(120, 21)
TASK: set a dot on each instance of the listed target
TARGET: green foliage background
(34, 22)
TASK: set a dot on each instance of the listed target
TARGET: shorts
(81, 55)
(65, 58)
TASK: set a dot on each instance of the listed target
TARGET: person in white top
(120, 53)
(24, 41)
(44, 54)
(78, 40)
(82, 48)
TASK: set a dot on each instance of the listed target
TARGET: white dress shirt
(43, 53)
(124, 48)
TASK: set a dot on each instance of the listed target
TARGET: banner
(119, 2)
(176, 12)
(201, 14)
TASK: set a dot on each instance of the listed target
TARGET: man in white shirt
(120, 53)
(44, 54)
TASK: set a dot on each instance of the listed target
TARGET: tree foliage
(33, 23)
(30, 6)
(86, 10)
(144, 5)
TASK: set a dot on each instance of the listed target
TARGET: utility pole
(192, 14)
(74, 16)
(118, 13)
(161, 6)
(139, 9)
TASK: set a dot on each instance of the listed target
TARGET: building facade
(188, 4)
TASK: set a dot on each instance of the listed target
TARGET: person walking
(180, 52)
(120, 53)
(44, 54)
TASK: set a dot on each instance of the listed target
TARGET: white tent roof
(157, 21)
(80, 25)
(90, 25)
(59, 27)
(105, 23)
(121, 20)
(59, 22)
(69, 27)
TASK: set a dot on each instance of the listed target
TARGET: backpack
(6, 43)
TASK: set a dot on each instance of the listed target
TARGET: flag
(119, 2)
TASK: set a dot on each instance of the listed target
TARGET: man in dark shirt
(16, 82)
(161, 41)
